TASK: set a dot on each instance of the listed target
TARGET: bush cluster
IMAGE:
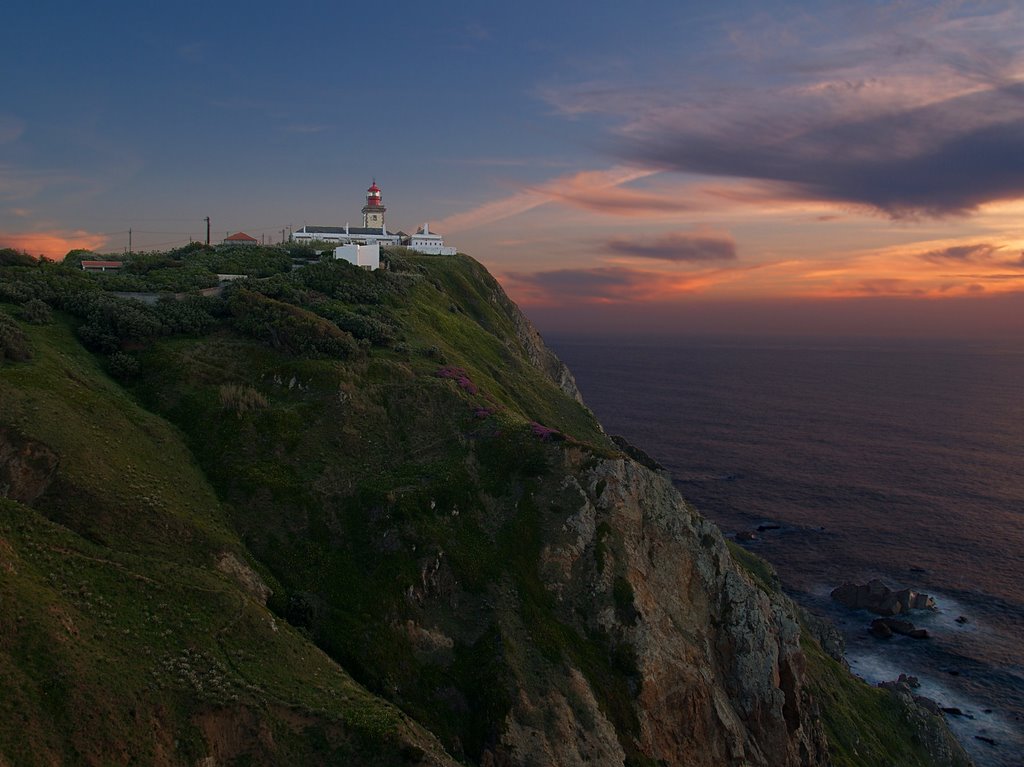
(241, 399)
(12, 257)
(36, 312)
(288, 327)
(14, 344)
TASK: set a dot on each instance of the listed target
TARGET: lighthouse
(373, 211)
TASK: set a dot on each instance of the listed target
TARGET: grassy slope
(361, 484)
(118, 638)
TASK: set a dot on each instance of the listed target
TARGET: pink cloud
(600, 285)
(587, 189)
(53, 245)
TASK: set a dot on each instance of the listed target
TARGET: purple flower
(545, 433)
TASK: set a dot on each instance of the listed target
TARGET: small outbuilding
(240, 238)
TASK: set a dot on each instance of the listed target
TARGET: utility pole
(129, 239)
(207, 230)
(282, 236)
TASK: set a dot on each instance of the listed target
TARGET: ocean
(876, 459)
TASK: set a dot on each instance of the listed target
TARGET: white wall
(366, 256)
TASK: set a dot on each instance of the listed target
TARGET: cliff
(342, 517)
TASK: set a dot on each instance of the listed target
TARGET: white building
(373, 231)
(430, 243)
(366, 256)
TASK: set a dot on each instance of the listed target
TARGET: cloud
(53, 245)
(590, 191)
(939, 159)
(886, 286)
(603, 284)
(593, 186)
(961, 253)
(909, 109)
(676, 246)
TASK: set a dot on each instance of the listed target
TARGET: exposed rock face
(924, 720)
(880, 599)
(245, 576)
(719, 659)
(636, 453)
(548, 731)
(27, 467)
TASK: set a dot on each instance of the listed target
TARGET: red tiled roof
(103, 264)
(240, 237)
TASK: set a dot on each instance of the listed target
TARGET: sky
(847, 168)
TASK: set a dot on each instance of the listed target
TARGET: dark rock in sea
(768, 526)
(880, 599)
(883, 628)
(986, 739)
(928, 704)
(962, 619)
(746, 535)
(880, 629)
(918, 570)
(910, 681)
(952, 710)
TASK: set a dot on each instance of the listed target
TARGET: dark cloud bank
(941, 159)
(676, 246)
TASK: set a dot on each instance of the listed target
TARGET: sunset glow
(752, 153)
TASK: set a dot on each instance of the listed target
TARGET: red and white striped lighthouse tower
(373, 211)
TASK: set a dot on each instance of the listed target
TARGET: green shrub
(289, 327)
(74, 258)
(193, 316)
(14, 344)
(241, 399)
(12, 257)
(36, 312)
(253, 261)
(122, 366)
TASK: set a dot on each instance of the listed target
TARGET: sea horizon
(876, 457)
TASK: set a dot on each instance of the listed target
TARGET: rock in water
(883, 628)
(880, 629)
(880, 599)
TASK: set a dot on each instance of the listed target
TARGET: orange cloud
(53, 245)
(936, 269)
(587, 188)
(613, 284)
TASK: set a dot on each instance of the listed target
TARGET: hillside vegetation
(329, 516)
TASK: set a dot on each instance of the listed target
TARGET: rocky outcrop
(244, 576)
(880, 599)
(27, 467)
(638, 455)
(923, 721)
(718, 670)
